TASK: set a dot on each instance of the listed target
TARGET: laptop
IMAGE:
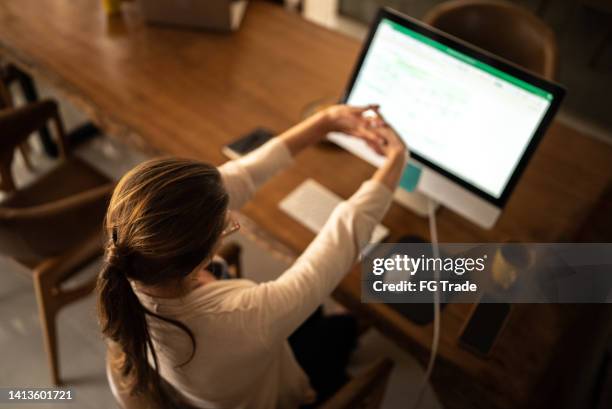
(220, 15)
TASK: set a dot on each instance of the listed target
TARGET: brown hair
(164, 219)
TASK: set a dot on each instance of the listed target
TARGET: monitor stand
(416, 201)
(408, 194)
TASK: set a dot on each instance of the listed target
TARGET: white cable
(433, 232)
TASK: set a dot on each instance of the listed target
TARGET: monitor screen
(456, 112)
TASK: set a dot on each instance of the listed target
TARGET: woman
(223, 343)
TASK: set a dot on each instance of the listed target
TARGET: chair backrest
(30, 234)
(16, 125)
(365, 391)
(120, 386)
(502, 28)
(45, 218)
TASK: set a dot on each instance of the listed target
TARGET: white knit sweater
(243, 359)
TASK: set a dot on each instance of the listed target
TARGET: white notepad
(311, 204)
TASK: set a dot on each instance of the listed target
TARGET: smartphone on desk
(483, 328)
(247, 143)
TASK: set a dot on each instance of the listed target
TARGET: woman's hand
(353, 121)
(363, 122)
(389, 142)
(393, 148)
(337, 118)
(346, 118)
(368, 124)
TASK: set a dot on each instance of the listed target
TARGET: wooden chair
(54, 225)
(365, 391)
(120, 388)
(501, 28)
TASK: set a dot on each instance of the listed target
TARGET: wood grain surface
(189, 92)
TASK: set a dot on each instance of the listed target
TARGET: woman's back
(234, 366)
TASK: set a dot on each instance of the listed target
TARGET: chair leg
(47, 311)
(48, 277)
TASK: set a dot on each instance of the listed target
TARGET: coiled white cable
(433, 232)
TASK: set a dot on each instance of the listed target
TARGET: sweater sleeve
(283, 304)
(243, 176)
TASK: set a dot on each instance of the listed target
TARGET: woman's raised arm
(242, 177)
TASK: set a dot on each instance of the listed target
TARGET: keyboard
(311, 204)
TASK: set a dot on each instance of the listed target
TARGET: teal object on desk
(410, 177)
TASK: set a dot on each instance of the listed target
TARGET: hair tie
(114, 255)
(117, 256)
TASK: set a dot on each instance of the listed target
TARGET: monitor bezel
(486, 57)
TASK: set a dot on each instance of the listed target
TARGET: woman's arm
(283, 304)
(337, 118)
(242, 177)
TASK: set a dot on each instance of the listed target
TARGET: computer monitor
(471, 119)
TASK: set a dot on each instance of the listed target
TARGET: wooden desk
(188, 93)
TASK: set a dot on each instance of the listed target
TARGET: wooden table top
(188, 93)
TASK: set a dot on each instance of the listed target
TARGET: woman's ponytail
(123, 320)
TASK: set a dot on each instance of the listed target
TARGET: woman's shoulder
(223, 296)
(218, 295)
